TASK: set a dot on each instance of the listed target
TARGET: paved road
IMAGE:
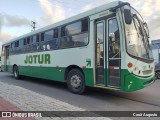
(94, 99)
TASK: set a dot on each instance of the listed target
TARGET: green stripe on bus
(51, 73)
(129, 82)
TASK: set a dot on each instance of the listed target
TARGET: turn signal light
(130, 65)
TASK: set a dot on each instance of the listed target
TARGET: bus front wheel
(75, 81)
(16, 72)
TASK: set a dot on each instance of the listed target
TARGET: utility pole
(33, 26)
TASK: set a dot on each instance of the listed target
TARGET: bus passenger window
(44, 47)
(67, 42)
(63, 31)
(55, 33)
(73, 28)
(42, 36)
(38, 47)
(12, 45)
(48, 47)
(21, 43)
(53, 44)
(17, 44)
(37, 38)
(29, 40)
(84, 25)
(48, 35)
(12, 48)
(80, 39)
(34, 39)
(25, 42)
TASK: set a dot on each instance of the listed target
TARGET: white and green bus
(105, 47)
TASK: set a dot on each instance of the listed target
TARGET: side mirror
(127, 16)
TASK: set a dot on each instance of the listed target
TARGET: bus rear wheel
(16, 72)
(75, 81)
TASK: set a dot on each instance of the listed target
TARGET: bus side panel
(89, 76)
(25, 70)
(51, 73)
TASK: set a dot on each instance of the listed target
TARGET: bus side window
(17, 44)
(6, 51)
(28, 40)
(80, 39)
(42, 37)
(48, 35)
(24, 45)
(21, 46)
(38, 38)
(67, 42)
(85, 25)
(33, 46)
(48, 47)
(55, 33)
(16, 47)
(62, 31)
(34, 39)
(12, 48)
(73, 28)
(53, 44)
(75, 34)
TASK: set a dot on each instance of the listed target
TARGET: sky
(16, 15)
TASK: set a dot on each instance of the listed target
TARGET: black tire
(16, 72)
(76, 81)
(158, 74)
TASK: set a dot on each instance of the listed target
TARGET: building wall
(155, 55)
(155, 46)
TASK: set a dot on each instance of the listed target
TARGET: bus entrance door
(114, 53)
(108, 54)
(6, 57)
(99, 43)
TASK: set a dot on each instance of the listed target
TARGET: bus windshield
(137, 37)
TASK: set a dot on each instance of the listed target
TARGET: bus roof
(68, 20)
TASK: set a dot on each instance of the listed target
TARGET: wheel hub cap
(75, 81)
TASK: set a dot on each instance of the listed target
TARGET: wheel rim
(75, 81)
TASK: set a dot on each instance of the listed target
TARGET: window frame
(40, 38)
(82, 32)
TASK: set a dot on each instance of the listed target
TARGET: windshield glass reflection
(137, 37)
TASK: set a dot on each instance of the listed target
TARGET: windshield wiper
(135, 25)
(141, 32)
(146, 29)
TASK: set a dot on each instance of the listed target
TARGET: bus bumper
(133, 83)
